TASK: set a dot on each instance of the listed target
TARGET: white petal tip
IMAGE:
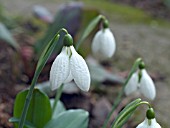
(79, 71)
(86, 89)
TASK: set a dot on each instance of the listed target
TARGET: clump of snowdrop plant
(150, 121)
(69, 65)
(141, 82)
(103, 44)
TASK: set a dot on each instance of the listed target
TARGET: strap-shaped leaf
(124, 120)
(16, 120)
(39, 112)
(70, 119)
(58, 109)
(6, 36)
(41, 63)
(125, 114)
(88, 30)
(46, 53)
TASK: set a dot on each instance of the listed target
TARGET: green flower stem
(124, 113)
(119, 97)
(145, 102)
(90, 27)
(64, 30)
(40, 65)
(57, 97)
(27, 102)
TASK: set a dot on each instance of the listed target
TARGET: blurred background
(141, 29)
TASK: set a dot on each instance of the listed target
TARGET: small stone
(100, 111)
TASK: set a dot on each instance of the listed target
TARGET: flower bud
(105, 23)
(150, 114)
(68, 40)
(142, 65)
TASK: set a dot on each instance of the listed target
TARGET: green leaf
(124, 120)
(39, 111)
(70, 119)
(60, 21)
(41, 63)
(68, 88)
(88, 30)
(16, 120)
(59, 108)
(45, 87)
(6, 36)
(125, 114)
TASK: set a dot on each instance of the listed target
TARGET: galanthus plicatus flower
(149, 124)
(67, 66)
(150, 121)
(145, 85)
(103, 44)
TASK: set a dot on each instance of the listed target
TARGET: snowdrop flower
(103, 44)
(144, 84)
(150, 121)
(69, 65)
(149, 124)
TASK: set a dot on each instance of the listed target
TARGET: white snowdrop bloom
(132, 84)
(145, 86)
(67, 66)
(103, 44)
(149, 124)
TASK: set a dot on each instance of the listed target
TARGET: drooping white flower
(149, 124)
(144, 86)
(67, 66)
(103, 44)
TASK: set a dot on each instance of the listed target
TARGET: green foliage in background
(125, 13)
(59, 22)
(167, 3)
(6, 36)
(76, 118)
